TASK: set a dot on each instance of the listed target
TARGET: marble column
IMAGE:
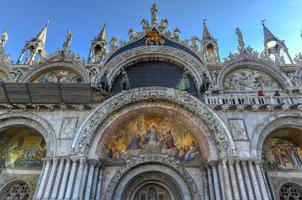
(221, 180)
(56, 186)
(240, 180)
(84, 180)
(233, 179)
(94, 183)
(227, 180)
(254, 181)
(248, 181)
(216, 181)
(44, 178)
(64, 179)
(205, 183)
(261, 180)
(78, 179)
(51, 178)
(90, 179)
(71, 178)
(99, 183)
(210, 183)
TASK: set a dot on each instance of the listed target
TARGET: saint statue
(154, 14)
(68, 40)
(4, 38)
(240, 39)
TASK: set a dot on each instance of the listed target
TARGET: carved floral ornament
(218, 130)
(116, 64)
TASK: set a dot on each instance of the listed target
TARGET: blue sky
(24, 19)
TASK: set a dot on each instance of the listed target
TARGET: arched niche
(156, 129)
(21, 147)
(246, 79)
(57, 75)
(157, 72)
(282, 149)
(264, 70)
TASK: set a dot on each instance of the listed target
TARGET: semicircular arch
(32, 121)
(217, 129)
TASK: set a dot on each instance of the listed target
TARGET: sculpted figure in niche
(101, 81)
(125, 85)
(205, 83)
(152, 134)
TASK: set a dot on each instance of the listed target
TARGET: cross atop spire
(206, 34)
(102, 34)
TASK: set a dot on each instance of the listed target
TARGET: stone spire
(98, 49)
(273, 47)
(34, 47)
(210, 48)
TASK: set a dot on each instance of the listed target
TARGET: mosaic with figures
(58, 76)
(248, 79)
(152, 134)
(282, 151)
(21, 148)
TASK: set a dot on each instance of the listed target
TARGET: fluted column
(78, 179)
(210, 183)
(64, 179)
(205, 184)
(240, 180)
(84, 179)
(248, 181)
(90, 180)
(233, 179)
(43, 179)
(216, 182)
(227, 180)
(56, 186)
(254, 180)
(261, 180)
(51, 178)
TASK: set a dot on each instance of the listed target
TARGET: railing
(246, 100)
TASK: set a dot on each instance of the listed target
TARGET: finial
(241, 44)
(154, 11)
(204, 21)
(4, 38)
(68, 40)
(262, 21)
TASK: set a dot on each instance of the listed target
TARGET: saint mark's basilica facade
(156, 117)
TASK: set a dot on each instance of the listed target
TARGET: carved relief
(238, 129)
(58, 76)
(68, 127)
(248, 79)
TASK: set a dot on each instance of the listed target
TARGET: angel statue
(146, 25)
(68, 40)
(4, 38)
(175, 34)
(113, 43)
(194, 40)
(240, 39)
(154, 14)
(132, 34)
(163, 25)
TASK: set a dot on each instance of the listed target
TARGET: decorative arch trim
(195, 67)
(218, 130)
(33, 121)
(272, 123)
(265, 67)
(44, 67)
(189, 188)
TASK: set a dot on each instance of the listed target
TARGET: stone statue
(101, 82)
(175, 34)
(132, 34)
(113, 44)
(68, 40)
(146, 25)
(154, 14)
(125, 85)
(4, 38)
(163, 25)
(205, 83)
(241, 44)
(194, 40)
